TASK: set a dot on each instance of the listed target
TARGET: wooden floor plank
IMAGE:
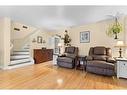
(47, 76)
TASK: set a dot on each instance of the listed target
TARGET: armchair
(100, 61)
(68, 60)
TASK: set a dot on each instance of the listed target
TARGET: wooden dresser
(43, 55)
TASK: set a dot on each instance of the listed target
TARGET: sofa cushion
(66, 65)
(101, 71)
(100, 64)
(101, 58)
(71, 55)
(65, 59)
(70, 49)
(99, 51)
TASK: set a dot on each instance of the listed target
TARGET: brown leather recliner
(100, 61)
(69, 59)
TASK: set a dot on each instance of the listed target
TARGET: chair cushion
(100, 64)
(65, 59)
(65, 64)
(101, 58)
(70, 49)
(99, 51)
(71, 55)
(101, 71)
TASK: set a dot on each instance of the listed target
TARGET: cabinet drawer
(123, 63)
(123, 69)
(43, 55)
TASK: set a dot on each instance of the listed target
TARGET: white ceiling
(57, 17)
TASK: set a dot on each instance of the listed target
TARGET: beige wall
(23, 31)
(26, 36)
(98, 36)
(1, 42)
(45, 36)
(4, 42)
(125, 35)
(19, 38)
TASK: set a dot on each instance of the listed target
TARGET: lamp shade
(120, 44)
(59, 44)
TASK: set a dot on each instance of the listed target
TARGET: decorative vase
(116, 37)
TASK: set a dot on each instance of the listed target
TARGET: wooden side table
(80, 66)
(121, 67)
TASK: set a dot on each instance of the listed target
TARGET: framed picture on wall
(85, 37)
(39, 39)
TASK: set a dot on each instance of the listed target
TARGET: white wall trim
(18, 66)
(1, 67)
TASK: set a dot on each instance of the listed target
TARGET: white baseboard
(17, 66)
(1, 67)
(21, 65)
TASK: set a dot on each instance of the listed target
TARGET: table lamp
(120, 45)
(59, 45)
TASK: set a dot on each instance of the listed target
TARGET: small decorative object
(120, 45)
(115, 29)
(39, 39)
(25, 27)
(43, 41)
(85, 37)
(17, 29)
(43, 47)
(34, 40)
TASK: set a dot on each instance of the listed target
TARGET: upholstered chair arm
(89, 58)
(111, 60)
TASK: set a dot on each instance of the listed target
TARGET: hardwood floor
(46, 76)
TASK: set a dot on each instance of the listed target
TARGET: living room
(63, 47)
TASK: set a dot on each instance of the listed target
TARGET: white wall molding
(1, 67)
(4, 68)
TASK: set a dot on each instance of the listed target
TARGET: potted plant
(115, 29)
(67, 39)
